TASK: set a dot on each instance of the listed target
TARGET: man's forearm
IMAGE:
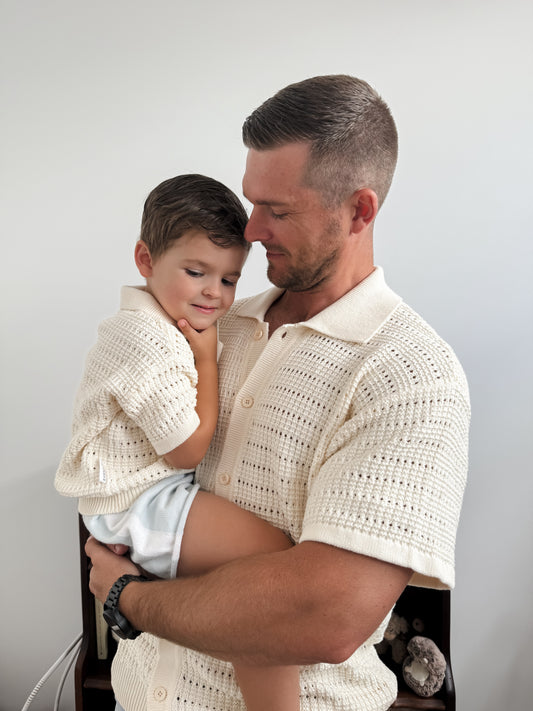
(312, 603)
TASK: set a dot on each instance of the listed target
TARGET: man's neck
(295, 307)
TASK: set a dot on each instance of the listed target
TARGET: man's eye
(278, 215)
(193, 273)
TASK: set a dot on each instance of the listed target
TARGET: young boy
(147, 407)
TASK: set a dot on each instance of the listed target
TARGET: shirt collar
(138, 298)
(355, 317)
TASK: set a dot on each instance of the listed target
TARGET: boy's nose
(212, 289)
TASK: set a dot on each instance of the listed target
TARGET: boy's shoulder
(138, 334)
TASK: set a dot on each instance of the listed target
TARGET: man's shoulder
(415, 347)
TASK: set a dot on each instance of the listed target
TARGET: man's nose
(255, 230)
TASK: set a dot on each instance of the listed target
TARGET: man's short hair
(352, 135)
(192, 202)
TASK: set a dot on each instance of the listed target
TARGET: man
(343, 421)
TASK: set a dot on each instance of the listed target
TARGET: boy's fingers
(184, 325)
(186, 328)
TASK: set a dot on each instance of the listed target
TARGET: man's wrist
(114, 612)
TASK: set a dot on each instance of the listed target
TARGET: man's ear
(364, 209)
(143, 259)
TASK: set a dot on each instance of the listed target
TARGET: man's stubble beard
(310, 274)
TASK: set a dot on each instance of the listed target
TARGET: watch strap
(112, 615)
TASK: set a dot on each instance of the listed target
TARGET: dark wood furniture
(92, 674)
(92, 677)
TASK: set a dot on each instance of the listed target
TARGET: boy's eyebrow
(204, 265)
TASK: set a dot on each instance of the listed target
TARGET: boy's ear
(143, 259)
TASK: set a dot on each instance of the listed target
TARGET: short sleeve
(392, 484)
(159, 395)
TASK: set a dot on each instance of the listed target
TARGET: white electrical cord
(55, 665)
(68, 667)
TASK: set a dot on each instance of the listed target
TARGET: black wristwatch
(112, 615)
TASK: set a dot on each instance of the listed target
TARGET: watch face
(119, 624)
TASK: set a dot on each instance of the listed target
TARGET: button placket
(261, 357)
(159, 698)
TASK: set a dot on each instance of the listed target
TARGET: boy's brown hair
(192, 202)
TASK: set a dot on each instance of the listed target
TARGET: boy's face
(195, 279)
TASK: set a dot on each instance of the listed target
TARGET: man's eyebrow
(267, 201)
(271, 203)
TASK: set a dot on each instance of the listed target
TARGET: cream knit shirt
(136, 402)
(350, 429)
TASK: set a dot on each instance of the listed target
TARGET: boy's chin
(200, 325)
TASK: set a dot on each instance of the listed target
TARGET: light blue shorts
(153, 525)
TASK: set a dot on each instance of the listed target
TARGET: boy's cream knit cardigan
(136, 402)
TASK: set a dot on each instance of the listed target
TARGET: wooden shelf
(407, 700)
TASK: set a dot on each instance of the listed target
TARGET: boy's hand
(203, 343)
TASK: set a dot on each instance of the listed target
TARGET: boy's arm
(204, 347)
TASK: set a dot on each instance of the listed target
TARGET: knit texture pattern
(136, 401)
(360, 444)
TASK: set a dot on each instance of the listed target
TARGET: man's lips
(273, 254)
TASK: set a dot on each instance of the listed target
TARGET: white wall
(103, 100)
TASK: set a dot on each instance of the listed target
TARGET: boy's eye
(228, 282)
(193, 273)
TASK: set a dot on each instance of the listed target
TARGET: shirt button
(224, 479)
(247, 401)
(160, 693)
(258, 335)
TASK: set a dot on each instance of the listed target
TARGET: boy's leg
(217, 531)
(269, 688)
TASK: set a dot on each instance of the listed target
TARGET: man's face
(303, 239)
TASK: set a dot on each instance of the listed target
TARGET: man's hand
(203, 343)
(107, 567)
